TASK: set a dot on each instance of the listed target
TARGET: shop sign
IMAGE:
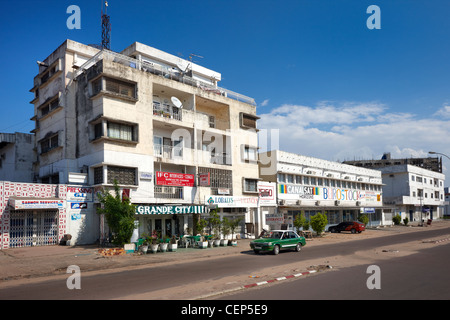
(204, 179)
(174, 179)
(78, 205)
(274, 218)
(19, 204)
(367, 210)
(231, 201)
(143, 209)
(80, 194)
(267, 193)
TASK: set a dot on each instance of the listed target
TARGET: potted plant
(144, 246)
(164, 243)
(173, 245)
(225, 231)
(154, 241)
(202, 244)
(215, 222)
(234, 224)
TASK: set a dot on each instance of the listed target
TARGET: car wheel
(276, 249)
(298, 247)
(353, 230)
(256, 251)
(332, 230)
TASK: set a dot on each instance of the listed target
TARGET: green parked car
(277, 240)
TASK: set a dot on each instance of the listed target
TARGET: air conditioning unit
(282, 202)
(317, 203)
(337, 202)
(299, 202)
(358, 203)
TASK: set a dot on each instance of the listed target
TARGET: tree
(363, 218)
(318, 222)
(119, 214)
(299, 222)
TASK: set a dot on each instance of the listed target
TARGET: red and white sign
(174, 179)
(267, 193)
(204, 179)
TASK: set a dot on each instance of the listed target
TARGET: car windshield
(273, 235)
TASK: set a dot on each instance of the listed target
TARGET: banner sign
(267, 193)
(142, 209)
(204, 179)
(174, 179)
(274, 218)
(80, 194)
(18, 204)
(231, 201)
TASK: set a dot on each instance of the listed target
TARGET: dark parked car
(352, 226)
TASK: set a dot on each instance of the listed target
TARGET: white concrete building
(413, 192)
(309, 185)
(17, 157)
(158, 124)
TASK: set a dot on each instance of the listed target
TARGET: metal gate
(33, 228)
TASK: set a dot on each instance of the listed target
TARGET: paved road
(420, 276)
(194, 278)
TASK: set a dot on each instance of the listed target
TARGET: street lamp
(433, 152)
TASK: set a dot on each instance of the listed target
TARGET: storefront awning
(146, 209)
(36, 203)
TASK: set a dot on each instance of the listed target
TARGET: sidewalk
(31, 262)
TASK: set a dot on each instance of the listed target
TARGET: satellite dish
(177, 103)
(183, 65)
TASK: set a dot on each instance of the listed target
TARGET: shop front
(235, 207)
(167, 220)
(33, 221)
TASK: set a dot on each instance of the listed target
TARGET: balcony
(175, 153)
(167, 73)
(168, 192)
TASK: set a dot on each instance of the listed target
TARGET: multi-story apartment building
(159, 125)
(413, 192)
(307, 185)
(16, 156)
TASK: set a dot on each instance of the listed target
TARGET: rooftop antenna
(106, 27)
(194, 55)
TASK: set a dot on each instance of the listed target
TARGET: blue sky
(332, 87)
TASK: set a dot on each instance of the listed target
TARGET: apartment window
(419, 179)
(414, 194)
(413, 178)
(212, 121)
(121, 131)
(290, 178)
(298, 179)
(219, 179)
(120, 87)
(123, 175)
(49, 107)
(49, 143)
(250, 185)
(281, 177)
(249, 154)
(115, 86)
(248, 120)
(98, 175)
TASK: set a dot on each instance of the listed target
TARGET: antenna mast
(106, 27)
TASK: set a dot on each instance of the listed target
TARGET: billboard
(174, 179)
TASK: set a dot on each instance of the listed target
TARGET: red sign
(174, 179)
(204, 179)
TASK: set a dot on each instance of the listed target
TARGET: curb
(257, 284)
(436, 241)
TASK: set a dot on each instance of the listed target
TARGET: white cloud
(265, 103)
(350, 130)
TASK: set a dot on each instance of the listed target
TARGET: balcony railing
(167, 111)
(187, 154)
(168, 192)
(168, 73)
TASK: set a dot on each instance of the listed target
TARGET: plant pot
(163, 247)
(216, 243)
(202, 244)
(210, 243)
(153, 248)
(224, 242)
(143, 248)
(234, 243)
(173, 247)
